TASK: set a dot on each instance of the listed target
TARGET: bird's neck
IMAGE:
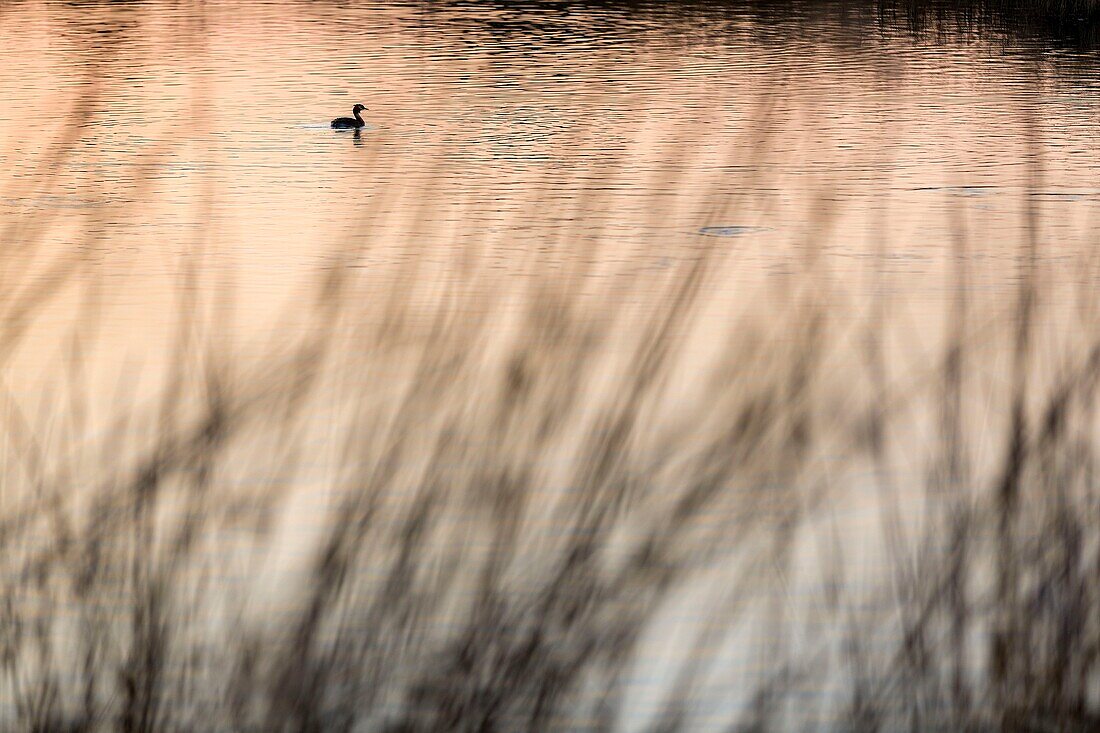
(356, 113)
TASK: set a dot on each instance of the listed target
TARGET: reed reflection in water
(691, 369)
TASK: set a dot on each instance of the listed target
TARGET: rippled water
(157, 126)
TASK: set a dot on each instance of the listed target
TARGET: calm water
(135, 133)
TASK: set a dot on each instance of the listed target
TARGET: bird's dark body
(350, 123)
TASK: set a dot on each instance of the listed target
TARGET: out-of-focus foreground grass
(484, 506)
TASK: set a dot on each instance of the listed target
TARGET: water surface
(168, 176)
(143, 132)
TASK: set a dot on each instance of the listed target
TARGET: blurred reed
(469, 501)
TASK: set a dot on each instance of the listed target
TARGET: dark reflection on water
(1069, 25)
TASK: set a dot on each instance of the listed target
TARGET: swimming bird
(349, 123)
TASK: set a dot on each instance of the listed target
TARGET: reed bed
(511, 505)
(462, 500)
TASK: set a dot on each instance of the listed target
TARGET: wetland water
(141, 131)
(168, 158)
